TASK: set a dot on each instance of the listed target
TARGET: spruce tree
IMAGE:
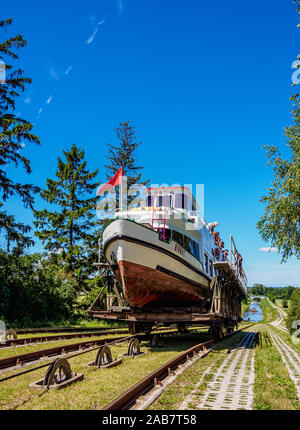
(68, 229)
(14, 133)
(123, 155)
(15, 232)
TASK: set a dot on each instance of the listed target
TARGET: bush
(33, 289)
(294, 309)
(285, 304)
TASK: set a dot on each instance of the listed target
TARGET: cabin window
(188, 244)
(150, 200)
(167, 234)
(178, 237)
(211, 268)
(165, 200)
(196, 253)
(181, 201)
(206, 263)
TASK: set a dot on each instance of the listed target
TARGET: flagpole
(121, 196)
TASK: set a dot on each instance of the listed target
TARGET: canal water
(254, 314)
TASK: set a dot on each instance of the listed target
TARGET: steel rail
(129, 397)
(40, 339)
(9, 362)
(66, 356)
(63, 329)
(32, 356)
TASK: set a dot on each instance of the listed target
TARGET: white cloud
(91, 38)
(53, 73)
(270, 249)
(120, 4)
(27, 100)
(49, 100)
(68, 70)
(23, 145)
(40, 110)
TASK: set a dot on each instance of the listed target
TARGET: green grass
(269, 312)
(245, 308)
(278, 302)
(16, 350)
(99, 386)
(174, 395)
(79, 323)
(273, 388)
(287, 337)
(62, 333)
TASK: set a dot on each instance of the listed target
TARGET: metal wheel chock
(58, 375)
(104, 359)
(134, 349)
(153, 341)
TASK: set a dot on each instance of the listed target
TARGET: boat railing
(170, 211)
(236, 264)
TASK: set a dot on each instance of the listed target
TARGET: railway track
(142, 394)
(290, 358)
(10, 363)
(232, 385)
(40, 339)
(52, 338)
(62, 329)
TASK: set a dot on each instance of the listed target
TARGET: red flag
(113, 182)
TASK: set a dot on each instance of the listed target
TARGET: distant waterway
(254, 314)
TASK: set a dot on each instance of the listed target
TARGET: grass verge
(175, 394)
(99, 386)
(269, 312)
(273, 388)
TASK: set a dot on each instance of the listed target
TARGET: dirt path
(280, 319)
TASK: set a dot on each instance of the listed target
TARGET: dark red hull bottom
(143, 286)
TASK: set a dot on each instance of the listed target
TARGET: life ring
(217, 253)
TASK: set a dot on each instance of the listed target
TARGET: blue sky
(207, 84)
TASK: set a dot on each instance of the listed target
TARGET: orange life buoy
(217, 253)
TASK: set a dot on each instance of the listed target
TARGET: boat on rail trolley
(170, 264)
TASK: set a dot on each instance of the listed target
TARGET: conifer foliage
(15, 133)
(123, 154)
(67, 230)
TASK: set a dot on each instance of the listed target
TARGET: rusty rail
(35, 355)
(40, 339)
(64, 329)
(8, 362)
(127, 399)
